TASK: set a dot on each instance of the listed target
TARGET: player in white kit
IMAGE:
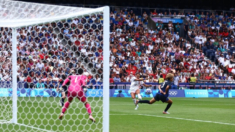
(136, 83)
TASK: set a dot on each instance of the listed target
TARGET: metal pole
(14, 76)
(106, 71)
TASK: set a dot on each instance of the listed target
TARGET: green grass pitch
(187, 115)
(41, 114)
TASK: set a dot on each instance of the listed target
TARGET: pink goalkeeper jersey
(76, 82)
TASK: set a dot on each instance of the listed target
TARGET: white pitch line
(4, 121)
(34, 127)
(127, 104)
(222, 123)
(179, 104)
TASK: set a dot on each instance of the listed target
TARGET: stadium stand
(44, 59)
(47, 54)
(154, 53)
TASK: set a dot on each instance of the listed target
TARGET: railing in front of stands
(182, 86)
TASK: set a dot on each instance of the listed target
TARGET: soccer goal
(41, 45)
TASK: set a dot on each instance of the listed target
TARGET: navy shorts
(161, 97)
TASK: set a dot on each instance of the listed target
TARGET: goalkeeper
(75, 91)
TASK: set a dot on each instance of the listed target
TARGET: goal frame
(106, 30)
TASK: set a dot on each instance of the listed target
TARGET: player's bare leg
(138, 94)
(66, 106)
(152, 101)
(168, 106)
(133, 95)
(146, 101)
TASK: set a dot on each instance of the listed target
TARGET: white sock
(134, 100)
(139, 97)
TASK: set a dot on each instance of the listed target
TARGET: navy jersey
(163, 87)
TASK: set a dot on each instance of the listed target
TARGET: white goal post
(15, 19)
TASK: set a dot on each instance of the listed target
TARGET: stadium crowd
(214, 35)
(49, 52)
(155, 52)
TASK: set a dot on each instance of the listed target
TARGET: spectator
(177, 27)
(40, 84)
(193, 81)
(176, 81)
(117, 78)
(97, 79)
(161, 79)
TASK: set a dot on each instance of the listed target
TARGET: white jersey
(135, 85)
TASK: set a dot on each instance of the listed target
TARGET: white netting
(24, 10)
(47, 53)
(17, 14)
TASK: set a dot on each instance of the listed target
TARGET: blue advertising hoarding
(233, 93)
(176, 93)
(126, 93)
(196, 93)
(94, 93)
(166, 20)
(210, 93)
(27, 92)
(220, 93)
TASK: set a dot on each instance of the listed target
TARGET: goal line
(10, 122)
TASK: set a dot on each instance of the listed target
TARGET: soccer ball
(148, 91)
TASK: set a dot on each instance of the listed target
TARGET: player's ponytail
(169, 76)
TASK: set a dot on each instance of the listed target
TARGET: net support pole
(14, 76)
(106, 70)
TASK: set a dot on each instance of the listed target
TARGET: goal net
(42, 46)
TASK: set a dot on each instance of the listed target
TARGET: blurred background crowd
(200, 51)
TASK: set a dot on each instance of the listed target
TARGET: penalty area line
(222, 123)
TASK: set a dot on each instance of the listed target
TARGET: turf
(186, 115)
(43, 113)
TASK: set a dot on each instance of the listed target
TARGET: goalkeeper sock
(168, 106)
(144, 101)
(88, 108)
(134, 100)
(139, 97)
(66, 106)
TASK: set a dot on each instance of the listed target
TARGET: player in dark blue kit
(162, 94)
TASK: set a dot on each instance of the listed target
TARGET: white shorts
(133, 90)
